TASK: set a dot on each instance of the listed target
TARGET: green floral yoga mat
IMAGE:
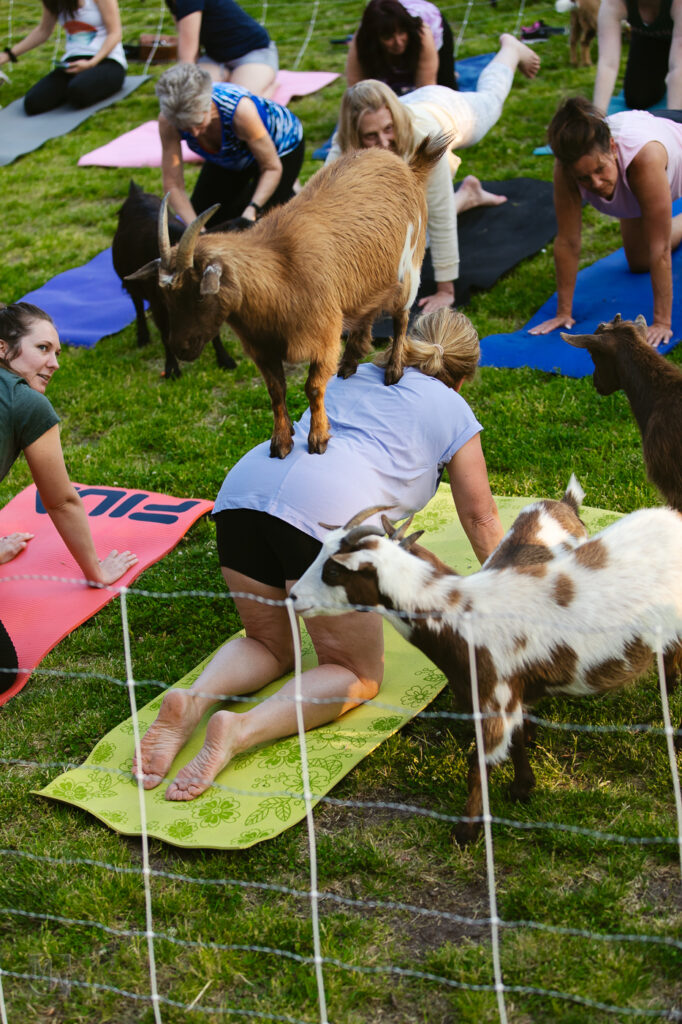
(252, 802)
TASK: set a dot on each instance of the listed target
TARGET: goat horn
(360, 532)
(185, 254)
(402, 529)
(328, 526)
(365, 514)
(407, 542)
(164, 237)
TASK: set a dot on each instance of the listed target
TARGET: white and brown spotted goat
(582, 621)
(347, 247)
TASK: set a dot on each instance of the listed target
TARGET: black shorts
(263, 547)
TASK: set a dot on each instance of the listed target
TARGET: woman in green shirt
(29, 347)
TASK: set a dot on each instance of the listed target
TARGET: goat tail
(428, 153)
(574, 494)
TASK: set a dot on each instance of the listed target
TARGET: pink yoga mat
(141, 147)
(38, 613)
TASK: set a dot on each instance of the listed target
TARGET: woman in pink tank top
(629, 166)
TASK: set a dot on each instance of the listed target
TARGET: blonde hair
(443, 344)
(372, 95)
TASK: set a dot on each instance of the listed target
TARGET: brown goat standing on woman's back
(653, 386)
(346, 248)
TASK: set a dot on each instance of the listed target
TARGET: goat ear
(148, 270)
(412, 539)
(342, 557)
(588, 341)
(210, 279)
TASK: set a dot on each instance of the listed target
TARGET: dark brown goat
(348, 246)
(136, 243)
(653, 387)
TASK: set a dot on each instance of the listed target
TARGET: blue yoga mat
(602, 290)
(469, 68)
(86, 303)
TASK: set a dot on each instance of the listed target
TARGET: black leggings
(8, 660)
(646, 69)
(446, 58)
(81, 90)
(262, 546)
(233, 189)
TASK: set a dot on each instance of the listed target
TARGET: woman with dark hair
(405, 44)
(29, 346)
(629, 166)
(93, 66)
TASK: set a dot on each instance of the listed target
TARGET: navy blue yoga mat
(86, 303)
(602, 290)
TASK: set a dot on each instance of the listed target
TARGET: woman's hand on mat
(114, 566)
(12, 544)
(442, 297)
(547, 326)
(658, 334)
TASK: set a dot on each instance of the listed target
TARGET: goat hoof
(520, 794)
(318, 447)
(227, 363)
(392, 375)
(172, 373)
(280, 450)
(466, 832)
(346, 370)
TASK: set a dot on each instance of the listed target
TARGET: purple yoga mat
(86, 303)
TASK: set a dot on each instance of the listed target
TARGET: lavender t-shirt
(388, 447)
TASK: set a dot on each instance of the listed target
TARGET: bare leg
(243, 665)
(516, 54)
(471, 194)
(343, 679)
(257, 78)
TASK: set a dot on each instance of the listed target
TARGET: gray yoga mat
(20, 134)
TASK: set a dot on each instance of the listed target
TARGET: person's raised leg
(349, 672)
(516, 54)
(241, 666)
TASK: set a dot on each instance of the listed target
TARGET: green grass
(122, 424)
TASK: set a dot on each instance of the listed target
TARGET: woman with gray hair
(253, 147)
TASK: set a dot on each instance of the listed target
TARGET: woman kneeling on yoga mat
(29, 346)
(388, 447)
(93, 66)
(253, 147)
(628, 165)
(372, 115)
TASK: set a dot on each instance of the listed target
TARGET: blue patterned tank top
(283, 127)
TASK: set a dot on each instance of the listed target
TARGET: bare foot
(471, 194)
(170, 731)
(527, 59)
(218, 749)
